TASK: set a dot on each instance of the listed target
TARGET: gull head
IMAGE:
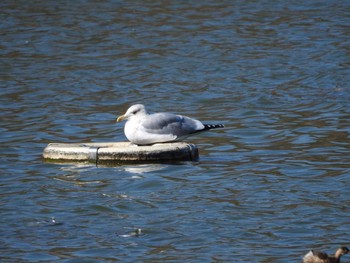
(137, 109)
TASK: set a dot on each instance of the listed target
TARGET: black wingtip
(213, 126)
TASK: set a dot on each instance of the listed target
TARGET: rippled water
(269, 187)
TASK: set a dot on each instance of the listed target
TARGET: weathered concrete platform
(120, 152)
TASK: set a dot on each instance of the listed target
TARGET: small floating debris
(120, 152)
(136, 233)
(51, 222)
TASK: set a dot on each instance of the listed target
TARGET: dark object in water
(320, 257)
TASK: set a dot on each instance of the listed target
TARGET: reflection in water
(144, 168)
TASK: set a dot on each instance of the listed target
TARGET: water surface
(270, 186)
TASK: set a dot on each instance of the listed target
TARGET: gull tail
(212, 126)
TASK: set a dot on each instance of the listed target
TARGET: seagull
(142, 128)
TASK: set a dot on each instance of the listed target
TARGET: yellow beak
(120, 118)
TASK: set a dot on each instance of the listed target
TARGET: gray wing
(168, 123)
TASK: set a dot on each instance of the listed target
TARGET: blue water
(269, 187)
